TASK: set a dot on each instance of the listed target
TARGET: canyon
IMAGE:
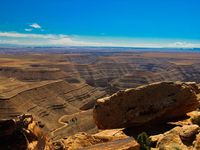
(59, 86)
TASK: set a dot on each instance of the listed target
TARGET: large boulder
(149, 104)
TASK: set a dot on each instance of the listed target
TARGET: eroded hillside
(59, 88)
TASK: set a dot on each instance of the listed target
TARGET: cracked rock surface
(149, 104)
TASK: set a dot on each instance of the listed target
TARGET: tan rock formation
(122, 144)
(146, 104)
(178, 138)
(197, 142)
(106, 140)
(187, 132)
(171, 141)
(111, 135)
(79, 141)
(153, 103)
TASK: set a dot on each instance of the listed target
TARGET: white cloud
(43, 39)
(26, 35)
(184, 44)
(28, 30)
(67, 41)
(35, 26)
(17, 38)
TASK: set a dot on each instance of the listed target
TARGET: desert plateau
(63, 90)
(99, 75)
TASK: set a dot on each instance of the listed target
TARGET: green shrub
(144, 141)
(196, 120)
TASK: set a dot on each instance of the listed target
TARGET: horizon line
(62, 40)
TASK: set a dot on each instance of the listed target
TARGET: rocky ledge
(159, 116)
(149, 104)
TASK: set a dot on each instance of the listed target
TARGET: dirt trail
(63, 123)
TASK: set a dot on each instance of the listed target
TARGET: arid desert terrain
(59, 87)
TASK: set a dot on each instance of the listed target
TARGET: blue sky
(140, 23)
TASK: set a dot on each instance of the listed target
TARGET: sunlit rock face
(153, 103)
